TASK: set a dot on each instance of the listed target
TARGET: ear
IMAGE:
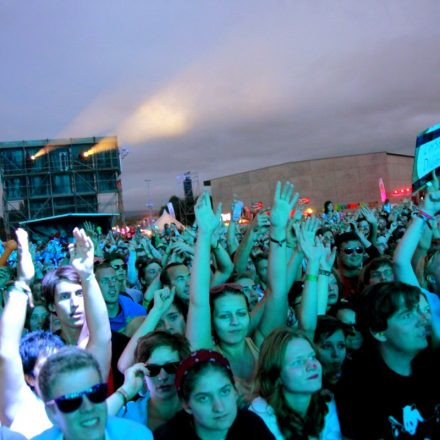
(30, 380)
(51, 413)
(379, 336)
(186, 407)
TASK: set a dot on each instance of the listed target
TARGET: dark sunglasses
(71, 402)
(226, 286)
(119, 266)
(349, 251)
(154, 370)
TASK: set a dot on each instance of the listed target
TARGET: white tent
(167, 218)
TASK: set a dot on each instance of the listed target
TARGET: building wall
(347, 179)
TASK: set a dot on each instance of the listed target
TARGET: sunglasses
(119, 266)
(154, 370)
(349, 251)
(71, 402)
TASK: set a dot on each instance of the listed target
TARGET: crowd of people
(290, 327)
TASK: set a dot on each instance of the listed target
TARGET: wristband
(311, 278)
(124, 395)
(280, 242)
(90, 277)
(425, 215)
(326, 273)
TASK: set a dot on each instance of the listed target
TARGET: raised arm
(97, 320)
(25, 265)
(275, 311)
(12, 381)
(308, 311)
(245, 247)
(198, 327)
(407, 246)
(225, 266)
(163, 299)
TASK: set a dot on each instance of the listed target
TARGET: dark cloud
(219, 87)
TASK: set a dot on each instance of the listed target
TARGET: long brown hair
(270, 363)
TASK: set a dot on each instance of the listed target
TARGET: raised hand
(163, 298)
(207, 221)
(311, 247)
(25, 267)
(431, 203)
(369, 215)
(328, 256)
(283, 202)
(134, 379)
(82, 253)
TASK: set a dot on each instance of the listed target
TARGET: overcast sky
(219, 87)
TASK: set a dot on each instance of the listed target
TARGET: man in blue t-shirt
(125, 315)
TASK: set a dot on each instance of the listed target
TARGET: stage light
(33, 157)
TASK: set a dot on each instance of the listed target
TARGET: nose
(163, 375)
(86, 405)
(312, 364)
(218, 405)
(233, 320)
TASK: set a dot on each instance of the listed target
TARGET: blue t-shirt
(129, 310)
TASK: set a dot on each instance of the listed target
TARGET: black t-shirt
(374, 402)
(247, 425)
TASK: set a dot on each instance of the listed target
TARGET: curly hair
(292, 425)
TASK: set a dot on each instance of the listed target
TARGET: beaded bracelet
(326, 273)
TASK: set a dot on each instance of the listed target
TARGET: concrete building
(344, 180)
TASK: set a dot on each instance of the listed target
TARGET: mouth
(165, 388)
(314, 377)
(90, 423)
(220, 418)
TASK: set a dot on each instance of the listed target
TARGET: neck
(112, 309)
(298, 402)
(206, 434)
(350, 272)
(165, 408)
(70, 334)
(397, 361)
(233, 350)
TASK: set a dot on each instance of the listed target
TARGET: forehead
(67, 286)
(297, 347)
(382, 267)
(336, 336)
(210, 380)
(230, 301)
(350, 244)
(152, 265)
(74, 381)
(162, 355)
(177, 271)
(172, 309)
(105, 272)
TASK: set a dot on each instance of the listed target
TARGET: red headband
(195, 358)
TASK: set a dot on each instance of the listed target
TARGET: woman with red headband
(220, 319)
(205, 384)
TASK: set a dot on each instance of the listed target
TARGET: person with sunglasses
(71, 386)
(350, 259)
(73, 294)
(157, 357)
(219, 319)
